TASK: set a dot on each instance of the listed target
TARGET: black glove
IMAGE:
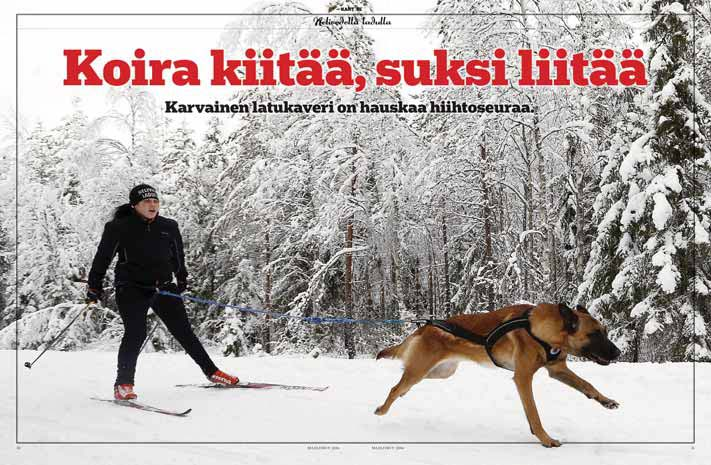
(168, 286)
(182, 286)
(93, 295)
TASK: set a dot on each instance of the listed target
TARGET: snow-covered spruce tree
(597, 112)
(178, 149)
(609, 251)
(702, 12)
(203, 203)
(360, 199)
(49, 196)
(262, 248)
(8, 140)
(193, 173)
(519, 186)
(646, 274)
(300, 182)
(5, 267)
(52, 230)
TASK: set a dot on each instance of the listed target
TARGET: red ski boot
(124, 392)
(220, 377)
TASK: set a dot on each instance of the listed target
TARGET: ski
(248, 385)
(145, 407)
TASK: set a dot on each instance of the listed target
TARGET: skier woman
(150, 251)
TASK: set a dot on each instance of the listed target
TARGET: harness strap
(458, 331)
(488, 341)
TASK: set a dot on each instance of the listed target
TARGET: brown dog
(431, 352)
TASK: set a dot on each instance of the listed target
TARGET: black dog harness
(488, 341)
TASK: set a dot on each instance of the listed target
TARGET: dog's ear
(570, 319)
(581, 309)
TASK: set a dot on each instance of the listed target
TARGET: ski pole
(59, 336)
(155, 326)
(148, 338)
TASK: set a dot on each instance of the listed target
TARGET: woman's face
(148, 208)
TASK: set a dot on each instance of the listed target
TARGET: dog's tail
(390, 352)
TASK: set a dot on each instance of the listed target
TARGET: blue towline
(308, 319)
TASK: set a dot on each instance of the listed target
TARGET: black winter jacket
(148, 252)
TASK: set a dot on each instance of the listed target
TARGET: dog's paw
(550, 442)
(609, 403)
(380, 411)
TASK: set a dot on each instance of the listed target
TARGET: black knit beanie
(142, 192)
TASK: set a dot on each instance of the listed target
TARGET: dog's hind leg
(416, 368)
(408, 380)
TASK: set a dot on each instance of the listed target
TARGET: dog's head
(575, 331)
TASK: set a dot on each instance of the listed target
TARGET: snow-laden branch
(300, 301)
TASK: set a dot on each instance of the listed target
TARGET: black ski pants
(133, 303)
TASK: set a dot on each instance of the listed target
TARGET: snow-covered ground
(477, 404)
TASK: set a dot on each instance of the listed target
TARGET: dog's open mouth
(597, 359)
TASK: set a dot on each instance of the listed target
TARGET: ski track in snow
(476, 404)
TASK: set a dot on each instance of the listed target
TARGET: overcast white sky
(42, 40)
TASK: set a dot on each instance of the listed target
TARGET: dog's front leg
(523, 377)
(560, 371)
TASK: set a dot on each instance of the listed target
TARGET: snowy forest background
(601, 197)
